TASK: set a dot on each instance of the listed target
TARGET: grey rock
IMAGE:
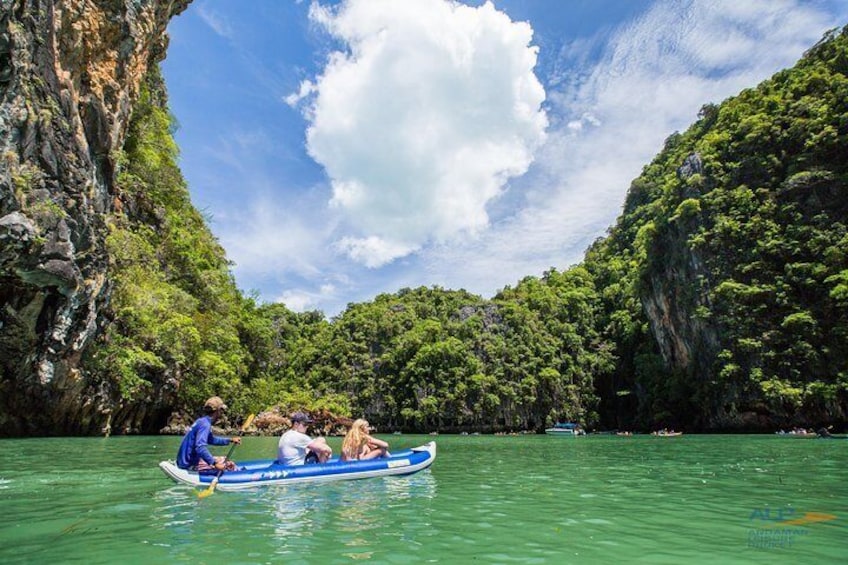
(691, 165)
(67, 97)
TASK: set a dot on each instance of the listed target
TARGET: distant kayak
(268, 472)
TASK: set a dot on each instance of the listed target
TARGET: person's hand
(220, 465)
(236, 440)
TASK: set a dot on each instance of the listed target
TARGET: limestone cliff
(69, 75)
(739, 231)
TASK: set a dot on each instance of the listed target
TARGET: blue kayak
(268, 472)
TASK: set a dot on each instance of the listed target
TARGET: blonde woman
(358, 444)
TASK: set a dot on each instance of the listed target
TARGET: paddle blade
(247, 422)
(209, 491)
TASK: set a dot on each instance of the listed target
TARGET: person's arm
(320, 446)
(378, 443)
(215, 440)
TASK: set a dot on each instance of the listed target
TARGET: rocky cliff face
(676, 289)
(69, 74)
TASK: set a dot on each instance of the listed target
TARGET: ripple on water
(599, 521)
(569, 522)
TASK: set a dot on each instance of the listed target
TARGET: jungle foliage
(738, 227)
(180, 329)
(744, 218)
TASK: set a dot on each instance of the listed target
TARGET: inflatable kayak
(269, 472)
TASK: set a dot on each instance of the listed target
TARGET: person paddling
(194, 454)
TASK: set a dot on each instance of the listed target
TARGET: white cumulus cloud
(422, 121)
(651, 80)
(372, 251)
(301, 300)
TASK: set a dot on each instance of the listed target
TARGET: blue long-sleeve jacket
(193, 448)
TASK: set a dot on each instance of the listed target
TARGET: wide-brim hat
(215, 403)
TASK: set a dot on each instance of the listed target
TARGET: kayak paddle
(211, 490)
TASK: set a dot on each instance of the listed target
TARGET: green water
(487, 499)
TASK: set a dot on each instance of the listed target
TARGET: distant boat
(797, 433)
(666, 433)
(568, 429)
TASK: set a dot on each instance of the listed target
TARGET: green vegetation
(180, 330)
(436, 359)
(752, 244)
(718, 300)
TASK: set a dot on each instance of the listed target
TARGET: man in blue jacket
(194, 453)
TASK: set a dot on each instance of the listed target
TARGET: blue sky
(344, 149)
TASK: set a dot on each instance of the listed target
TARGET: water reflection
(293, 521)
(363, 512)
(355, 510)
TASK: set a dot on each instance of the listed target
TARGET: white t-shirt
(292, 448)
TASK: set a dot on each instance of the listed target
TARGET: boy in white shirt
(295, 444)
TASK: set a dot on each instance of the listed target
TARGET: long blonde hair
(354, 440)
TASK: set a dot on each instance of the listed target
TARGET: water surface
(486, 499)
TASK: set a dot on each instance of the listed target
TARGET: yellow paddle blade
(209, 491)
